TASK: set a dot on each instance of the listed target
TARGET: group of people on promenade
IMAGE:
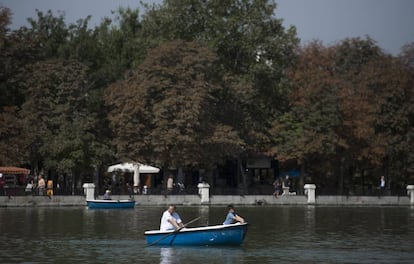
(41, 186)
(281, 185)
(171, 220)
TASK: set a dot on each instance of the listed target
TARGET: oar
(175, 232)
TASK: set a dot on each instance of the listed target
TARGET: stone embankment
(219, 200)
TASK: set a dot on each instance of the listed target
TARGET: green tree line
(196, 83)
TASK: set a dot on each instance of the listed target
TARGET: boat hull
(110, 204)
(232, 235)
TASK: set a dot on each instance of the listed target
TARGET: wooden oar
(175, 232)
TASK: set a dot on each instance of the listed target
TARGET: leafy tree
(56, 117)
(334, 108)
(15, 52)
(252, 47)
(4, 23)
(392, 81)
(310, 127)
(51, 33)
(407, 55)
(164, 111)
(11, 141)
(121, 45)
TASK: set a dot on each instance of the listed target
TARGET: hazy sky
(389, 22)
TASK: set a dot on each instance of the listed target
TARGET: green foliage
(393, 83)
(164, 111)
(50, 32)
(56, 116)
(350, 107)
(307, 132)
(253, 50)
(10, 140)
(195, 83)
(120, 44)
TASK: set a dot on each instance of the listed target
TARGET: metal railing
(193, 190)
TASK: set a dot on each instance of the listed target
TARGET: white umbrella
(134, 167)
(148, 169)
(128, 166)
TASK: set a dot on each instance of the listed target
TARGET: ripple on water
(276, 235)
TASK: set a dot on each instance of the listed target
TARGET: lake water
(282, 234)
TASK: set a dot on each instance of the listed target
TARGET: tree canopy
(197, 83)
(166, 110)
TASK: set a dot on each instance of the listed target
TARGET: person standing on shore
(41, 185)
(286, 185)
(382, 185)
(49, 191)
(276, 185)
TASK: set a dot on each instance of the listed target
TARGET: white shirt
(165, 224)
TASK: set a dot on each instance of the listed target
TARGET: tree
(56, 117)
(253, 49)
(4, 23)
(121, 45)
(11, 141)
(164, 111)
(407, 55)
(310, 126)
(15, 52)
(51, 33)
(334, 108)
(393, 83)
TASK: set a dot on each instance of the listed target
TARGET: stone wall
(161, 200)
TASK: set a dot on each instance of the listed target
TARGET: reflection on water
(175, 255)
(204, 213)
(310, 217)
(166, 255)
(282, 234)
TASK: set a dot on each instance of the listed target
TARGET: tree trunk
(242, 176)
(363, 181)
(73, 183)
(165, 174)
(301, 177)
(341, 176)
(96, 178)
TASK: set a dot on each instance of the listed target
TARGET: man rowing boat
(170, 219)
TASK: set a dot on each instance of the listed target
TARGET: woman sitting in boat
(170, 220)
(232, 217)
(107, 195)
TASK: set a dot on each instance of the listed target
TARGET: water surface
(280, 234)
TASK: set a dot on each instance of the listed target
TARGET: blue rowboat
(199, 236)
(110, 204)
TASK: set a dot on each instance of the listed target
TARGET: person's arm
(178, 219)
(238, 218)
(174, 222)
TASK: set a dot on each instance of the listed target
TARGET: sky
(389, 22)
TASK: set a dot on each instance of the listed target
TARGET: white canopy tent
(134, 167)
